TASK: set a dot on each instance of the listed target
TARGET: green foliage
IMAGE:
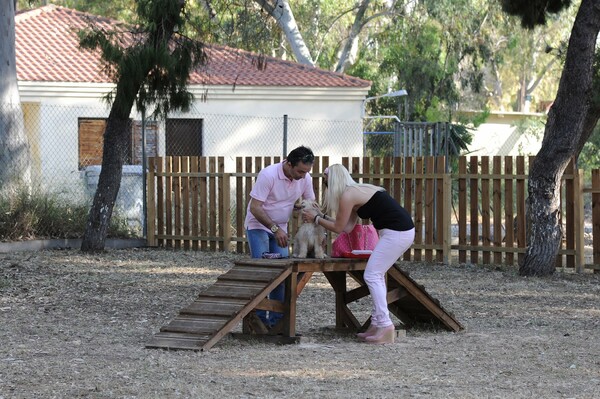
(432, 55)
(122, 10)
(533, 12)
(533, 126)
(150, 64)
(25, 215)
(474, 55)
(589, 158)
(459, 138)
(238, 24)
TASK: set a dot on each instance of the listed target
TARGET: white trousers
(392, 244)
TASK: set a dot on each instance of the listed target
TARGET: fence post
(447, 210)
(596, 218)
(226, 211)
(150, 205)
(579, 224)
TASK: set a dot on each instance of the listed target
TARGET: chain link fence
(395, 138)
(55, 151)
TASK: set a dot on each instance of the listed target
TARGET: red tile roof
(47, 50)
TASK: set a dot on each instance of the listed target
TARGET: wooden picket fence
(475, 214)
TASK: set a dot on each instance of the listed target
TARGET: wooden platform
(243, 289)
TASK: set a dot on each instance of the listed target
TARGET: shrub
(26, 215)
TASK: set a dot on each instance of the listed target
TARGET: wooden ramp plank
(212, 307)
(222, 291)
(407, 300)
(220, 307)
(418, 303)
(193, 325)
(164, 340)
(245, 275)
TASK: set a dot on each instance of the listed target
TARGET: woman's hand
(318, 209)
(308, 215)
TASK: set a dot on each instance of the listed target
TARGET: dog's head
(307, 204)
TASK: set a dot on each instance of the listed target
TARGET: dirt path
(74, 326)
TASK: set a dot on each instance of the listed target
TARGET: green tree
(571, 120)
(153, 68)
(430, 53)
(121, 10)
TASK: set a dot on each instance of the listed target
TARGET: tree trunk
(346, 56)
(116, 137)
(564, 132)
(15, 165)
(281, 12)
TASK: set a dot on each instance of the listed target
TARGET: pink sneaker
(384, 335)
(370, 331)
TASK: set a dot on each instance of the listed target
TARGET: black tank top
(386, 213)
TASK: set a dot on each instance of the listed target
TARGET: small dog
(309, 240)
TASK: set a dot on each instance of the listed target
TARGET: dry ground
(75, 325)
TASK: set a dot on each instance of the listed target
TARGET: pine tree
(150, 64)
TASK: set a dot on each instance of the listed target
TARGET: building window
(183, 137)
(91, 139)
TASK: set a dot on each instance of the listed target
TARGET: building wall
(241, 122)
(499, 135)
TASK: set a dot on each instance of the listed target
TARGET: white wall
(499, 136)
(247, 121)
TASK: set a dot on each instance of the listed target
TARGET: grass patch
(40, 215)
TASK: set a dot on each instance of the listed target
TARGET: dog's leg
(300, 246)
(302, 249)
(318, 248)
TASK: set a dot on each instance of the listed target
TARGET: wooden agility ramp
(243, 288)
(219, 308)
(407, 300)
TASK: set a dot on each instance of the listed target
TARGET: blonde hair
(338, 179)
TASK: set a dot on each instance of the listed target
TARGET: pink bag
(362, 237)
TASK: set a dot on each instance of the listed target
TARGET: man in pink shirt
(271, 204)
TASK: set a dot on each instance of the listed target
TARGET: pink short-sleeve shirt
(278, 194)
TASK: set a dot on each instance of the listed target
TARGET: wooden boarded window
(91, 133)
(91, 138)
(183, 137)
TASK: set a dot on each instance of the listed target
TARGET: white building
(61, 88)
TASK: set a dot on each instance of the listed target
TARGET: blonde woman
(347, 201)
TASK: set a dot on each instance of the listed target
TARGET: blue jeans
(262, 241)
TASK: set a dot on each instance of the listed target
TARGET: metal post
(432, 151)
(446, 139)
(144, 176)
(285, 135)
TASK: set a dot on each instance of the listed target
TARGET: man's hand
(282, 238)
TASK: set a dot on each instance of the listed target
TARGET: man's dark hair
(301, 154)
